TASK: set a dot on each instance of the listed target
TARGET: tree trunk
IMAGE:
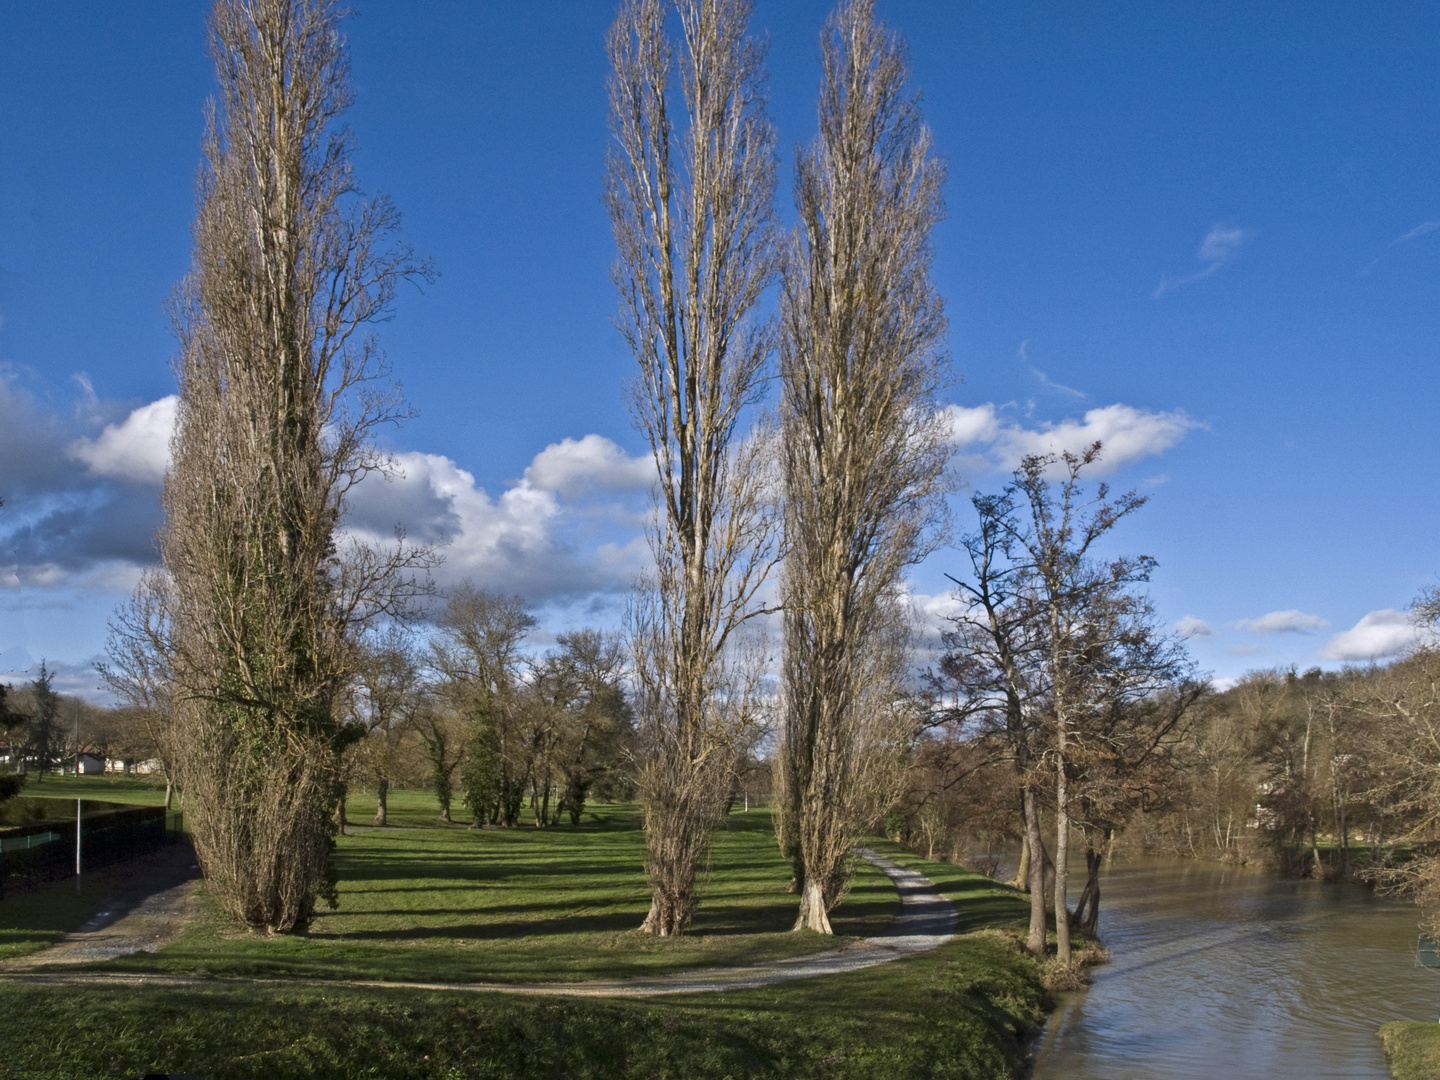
(1021, 880)
(1035, 942)
(666, 918)
(382, 794)
(169, 791)
(813, 915)
(1062, 856)
(340, 808)
(1087, 910)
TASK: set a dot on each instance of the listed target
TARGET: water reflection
(1227, 972)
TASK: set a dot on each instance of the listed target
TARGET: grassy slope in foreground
(961, 1011)
(454, 904)
(1413, 1049)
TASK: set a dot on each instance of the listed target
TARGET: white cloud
(969, 426)
(567, 527)
(1380, 634)
(1282, 622)
(1219, 247)
(572, 466)
(1126, 434)
(137, 450)
(1191, 627)
(529, 539)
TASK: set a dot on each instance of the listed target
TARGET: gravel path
(926, 920)
(146, 912)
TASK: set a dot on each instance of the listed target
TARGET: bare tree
(278, 396)
(1070, 593)
(864, 447)
(477, 652)
(691, 209)
(137, 669)
(389, 696)
(988, 679)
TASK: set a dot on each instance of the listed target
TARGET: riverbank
(429, 901)
(1412, 1049)
(1222, 970)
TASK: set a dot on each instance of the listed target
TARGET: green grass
(1413, 1049)
(963, 1010)
(431, 903)
(518, 905)
(140, 790)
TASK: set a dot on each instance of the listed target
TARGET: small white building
(88, 763)
(142, 768)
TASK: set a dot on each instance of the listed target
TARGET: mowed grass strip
(962, 1011)
(1412, 1049)
(426, 902)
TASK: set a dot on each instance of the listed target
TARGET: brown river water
(1226, 973)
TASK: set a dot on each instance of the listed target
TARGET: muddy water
(1224, 973)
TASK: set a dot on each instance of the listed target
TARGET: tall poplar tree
(690, 187)
(277, 398)
(864, 447)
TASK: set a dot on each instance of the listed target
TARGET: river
(1226, 973)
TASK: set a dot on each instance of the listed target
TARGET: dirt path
(926, 920)
(146, 911)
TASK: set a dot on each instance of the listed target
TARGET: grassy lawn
(1413, 1049)
(425, 902)
(961, 1011)
(140, 790)
(518, 905)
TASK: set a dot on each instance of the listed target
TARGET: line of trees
(1326, 774)
(273, 658)
(840, 492)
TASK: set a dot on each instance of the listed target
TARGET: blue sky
(1208, 233)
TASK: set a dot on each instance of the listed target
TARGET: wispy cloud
(1022, 354)
(1219, 248)
(1290, 621)
(1419, 230)
(1404, 238)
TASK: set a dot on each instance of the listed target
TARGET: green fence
(45, 852)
